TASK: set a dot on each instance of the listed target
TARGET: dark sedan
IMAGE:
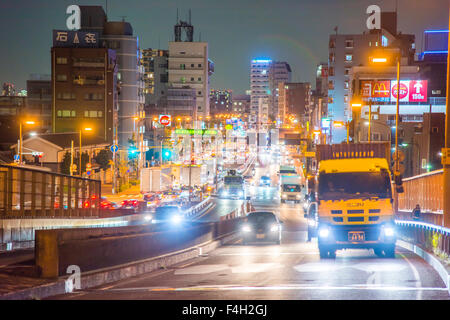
(261, 226)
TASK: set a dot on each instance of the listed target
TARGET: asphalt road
(292, 270)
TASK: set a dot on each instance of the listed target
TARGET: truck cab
(353, 207)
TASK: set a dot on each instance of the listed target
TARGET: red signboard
(165, 120)
(418, 91)
(381, 89)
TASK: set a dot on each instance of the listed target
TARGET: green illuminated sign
(203, 132)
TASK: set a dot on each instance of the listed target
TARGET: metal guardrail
(34, 193)
(198, 208)
(430, 237)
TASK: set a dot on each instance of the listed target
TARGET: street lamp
(87, 129)
(21, 123)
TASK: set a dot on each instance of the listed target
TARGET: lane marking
(362, 287)
(416, 276)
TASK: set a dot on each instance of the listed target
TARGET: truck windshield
(354, 185)
(291, 188)
(233, 180)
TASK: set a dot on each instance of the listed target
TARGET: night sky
(295, 31)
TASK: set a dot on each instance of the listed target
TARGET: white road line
(363, 287)
(416, 276)
(267, 254)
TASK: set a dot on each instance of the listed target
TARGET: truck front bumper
(357, 236)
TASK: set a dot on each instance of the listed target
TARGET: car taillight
(86, 204)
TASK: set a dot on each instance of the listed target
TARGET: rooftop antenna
(107, 9)
(189, 16)
(199, 37)
(123, 18)
(177, 16)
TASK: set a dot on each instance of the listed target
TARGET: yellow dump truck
(353, 205)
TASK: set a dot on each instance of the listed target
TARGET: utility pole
(71, 158)
(397, 160)
(445, 153)
(370, 119)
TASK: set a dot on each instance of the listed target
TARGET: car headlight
(324, 232)
(312, 222)
(225, 193)
(176, 219)
(389, 231)
(284, 196)
(241, 193)
(153, 221)
(298, 196)
(148, 217)
(246, 228)
(274, 228)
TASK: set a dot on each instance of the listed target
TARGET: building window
(199, 93)
(182, 66)
(331, 71)
(199, 79)
(332, 44)
(93, 96)
(61, 77)
(434, 130)
(330, 85)
(61, 60)
(199, 65)
(65, 96)
(349, 43)
(66, 113)
(183, 80)
(347, 71)
(348, 57)
(192, 65)
(331, 57)
(192, 79)
(346, 84)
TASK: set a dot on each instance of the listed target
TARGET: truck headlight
(298, 196)
(389, 231)
(225, 193)
(284, 196)
(246, 228)
(274, 228)
(324, 232)
(148, 217)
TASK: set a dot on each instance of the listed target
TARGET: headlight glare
(324, 232)
(274, 228)
(246, 228)
(389, 231)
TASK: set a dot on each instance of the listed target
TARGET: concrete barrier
(91, 249)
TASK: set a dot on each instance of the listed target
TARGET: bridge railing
(430, 237)
(426, 190)
(34, 193)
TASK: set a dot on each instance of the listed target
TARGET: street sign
(16, 157)
(114, 148)
(88, 173)
(310, 154)
(88, 167)
(445, 156)
(165, 119)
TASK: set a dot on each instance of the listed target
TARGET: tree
(102, 158)
(65, 165)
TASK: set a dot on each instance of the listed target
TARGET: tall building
(119, 36)
(278, 72)
(259, 86)
(8, 89)
(241, 105)
(294, 101)
(84, 78)
(189, 66)
(155, 73)
(220, 101)
(39, 100)
(348, 50)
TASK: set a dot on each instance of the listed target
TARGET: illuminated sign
(410, 91)
(203, 132)
(75, 39)
(386, 90)
(326, 122)
(165, 119)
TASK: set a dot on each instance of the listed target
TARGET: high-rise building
(156, 73)
(39, 100)
(189, 67)
(259, 86)
(8, 89)
(241, 105)
(294, 101)
(220, 101)
(348, 50)
(278, 72)
(84, 78)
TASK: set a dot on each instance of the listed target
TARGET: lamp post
(88, 129)
(384, 60)
(29, 122)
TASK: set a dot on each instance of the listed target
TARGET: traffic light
(167, 154)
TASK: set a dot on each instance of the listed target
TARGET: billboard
(75, 39)
(386, 90)
(410, 91)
